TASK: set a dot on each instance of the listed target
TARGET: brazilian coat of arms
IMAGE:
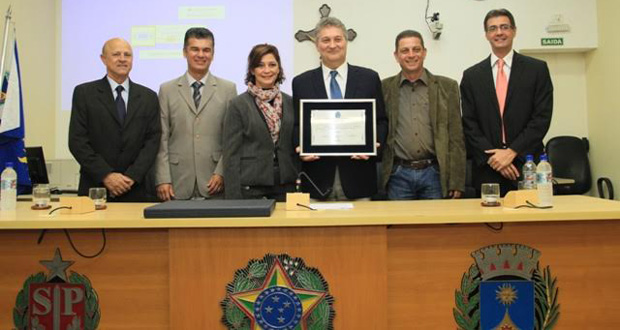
(505, 289)
(278, 292)
(56, 301)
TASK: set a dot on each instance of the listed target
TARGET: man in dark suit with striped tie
(114, 131)
(345, 178)
(507, 102)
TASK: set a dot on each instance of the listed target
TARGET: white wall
(603, 103)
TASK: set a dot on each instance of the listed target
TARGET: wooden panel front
(130, 277)
(426, 264)
(352, 260)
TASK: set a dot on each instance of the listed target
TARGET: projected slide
(155, 28)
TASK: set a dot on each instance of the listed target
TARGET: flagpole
(6, 37)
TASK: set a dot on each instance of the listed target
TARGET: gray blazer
(249, 150)
(191, 139)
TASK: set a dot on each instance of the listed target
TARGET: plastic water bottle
(8, 188)
(529, 173)
(544, 182)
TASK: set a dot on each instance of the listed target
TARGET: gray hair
(330, 21)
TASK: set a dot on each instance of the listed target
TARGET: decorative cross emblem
(311, 34)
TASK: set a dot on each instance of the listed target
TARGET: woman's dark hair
(256, 55)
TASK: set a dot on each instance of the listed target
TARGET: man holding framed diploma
(340, 119)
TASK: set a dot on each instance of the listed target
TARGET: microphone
(298, 184)
(301, 201)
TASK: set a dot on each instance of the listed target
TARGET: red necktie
(501, 88)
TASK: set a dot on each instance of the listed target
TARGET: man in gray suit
(192, 113)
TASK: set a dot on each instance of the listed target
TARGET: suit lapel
(318, 83)
(487, 80)
(107, 99)
(183, 90)
(207, 92)
(133, 105)
(515, 76)
(352, 81)
(393, 100)
(433, 98)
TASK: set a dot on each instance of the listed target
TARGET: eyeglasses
(503, 28)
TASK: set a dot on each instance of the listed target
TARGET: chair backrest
(568, 156)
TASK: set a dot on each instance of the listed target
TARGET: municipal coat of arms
(56, 301)
(278, 293)
(507, 290)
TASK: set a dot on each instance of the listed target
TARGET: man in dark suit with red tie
(345, 178)
(507, 102)
(114, 131)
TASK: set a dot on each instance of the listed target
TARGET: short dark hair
(499, 12)
(256, 55)
(198, 33)
(408, 34)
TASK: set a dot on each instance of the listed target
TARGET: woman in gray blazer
(259, 156)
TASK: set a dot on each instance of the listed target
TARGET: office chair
(569, 157)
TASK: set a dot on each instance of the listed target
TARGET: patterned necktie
(334, 89)
(196, 86)
(120, 103)
(501, 88)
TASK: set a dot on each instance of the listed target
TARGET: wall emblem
(278, 293)
(310, 35)
(505, 289)
(56, 301)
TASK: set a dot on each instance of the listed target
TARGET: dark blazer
(527, 113)
(249, 149)
(102, 145)
(358, 177)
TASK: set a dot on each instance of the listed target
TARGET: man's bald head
(112, 42)
(117, 56)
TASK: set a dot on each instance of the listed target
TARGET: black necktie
(120, 104)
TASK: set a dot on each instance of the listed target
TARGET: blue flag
(12, 130)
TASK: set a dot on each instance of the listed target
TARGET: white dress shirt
(191, 80)
(341, 78)
(507, 65)
(124, 94)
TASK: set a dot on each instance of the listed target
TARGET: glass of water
(99, 196)
(41, 196)
(490, 194)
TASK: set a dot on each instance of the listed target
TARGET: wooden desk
(390, 265)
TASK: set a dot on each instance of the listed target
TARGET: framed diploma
(342, 127)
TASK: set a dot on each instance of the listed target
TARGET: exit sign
(552, 41)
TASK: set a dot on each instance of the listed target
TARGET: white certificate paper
(338, 127)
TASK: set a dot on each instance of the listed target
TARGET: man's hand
(501, 158)
(510, 172)
(454, 194)
(309, 158)
(216, 184)
(117, 183)
(364, 157)
(165, 192)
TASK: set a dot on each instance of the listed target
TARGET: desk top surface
(130, 215)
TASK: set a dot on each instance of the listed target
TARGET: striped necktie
(196, 86)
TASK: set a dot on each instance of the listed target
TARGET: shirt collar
(342, 70)
(114, 84)
(191, 80)
(423, 78)
(507, 59)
